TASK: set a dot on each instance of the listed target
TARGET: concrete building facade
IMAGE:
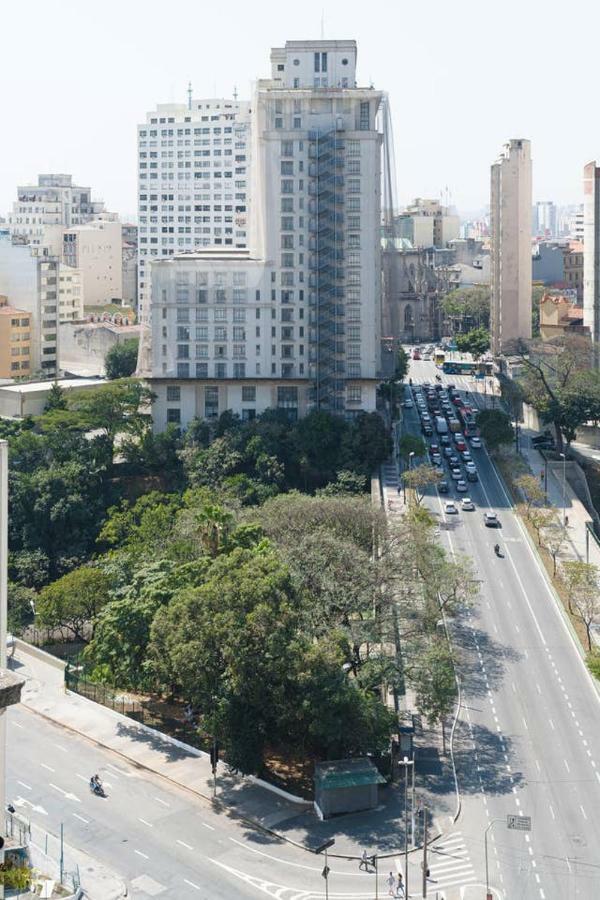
(294, 320)
(591, 254)
(29, 278)
(510, 223)
(426, 223)
(192, 181)
(53, 201)
(545, 219)
(70, 294)
(96, 249)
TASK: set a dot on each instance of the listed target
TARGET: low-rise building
(20, 400)
(560, 315)
(15, 341)
(96, 249)
(29, 277)
(573, 267)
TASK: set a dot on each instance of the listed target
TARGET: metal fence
(101, 693)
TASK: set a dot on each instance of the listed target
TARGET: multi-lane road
(530, 743)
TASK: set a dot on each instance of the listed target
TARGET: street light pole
(564, 487)
(406, 762)
(487, 874)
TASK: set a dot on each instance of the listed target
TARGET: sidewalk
(380, 830)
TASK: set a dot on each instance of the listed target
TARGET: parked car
(491, 520)
(467, 503)
(461, 486)
(450, 508)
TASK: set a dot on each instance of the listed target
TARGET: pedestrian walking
(364, 862)
(391, 882)
(399, 887)
(566, 521)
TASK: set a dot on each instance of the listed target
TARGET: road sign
(519, 823)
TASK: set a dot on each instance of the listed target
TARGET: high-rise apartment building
(96, 249)
(591, 254)
(510, 226)
(53, 201)
(293, 321)
(192, 181)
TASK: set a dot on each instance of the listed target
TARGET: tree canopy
(496, 427)
(121, 360)
(476, 342)
(468, 307)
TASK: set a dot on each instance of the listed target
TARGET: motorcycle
(97, 788)
(498, 551)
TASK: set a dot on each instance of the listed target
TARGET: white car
(470, 466)
(466, 456)
(490, 519)
(455, 474)
(467, 503)
(408, 404)
(461, 486)
(476, 443)
(450, 508)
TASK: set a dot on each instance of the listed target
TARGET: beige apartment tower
(591, 254)
(510, 220)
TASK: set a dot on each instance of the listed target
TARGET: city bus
(467, 368)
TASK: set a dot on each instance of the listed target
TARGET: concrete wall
(83, 345)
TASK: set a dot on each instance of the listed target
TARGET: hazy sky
(463, 76)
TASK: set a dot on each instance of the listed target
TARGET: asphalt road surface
(532, 741)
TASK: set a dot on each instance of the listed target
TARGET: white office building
(293, 320)
(192, 181)
(510, 226)
(53, 201)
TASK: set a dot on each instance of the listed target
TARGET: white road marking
(15, 725)
(164, 802)
(206, 825)
(552, 811)
(44, 766)
(139, 853)
(144, 822)
(583, 813)
(61, 748)
(191, 884)
(81, 819)
(26, 786)
(566, 765)
(551, 723)
(525, 723)
(183, 844)
(67, 794)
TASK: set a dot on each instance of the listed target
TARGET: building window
(287, 186)
(220, 370)
(363, 124)
(174, 415)
(287, 167)
(183, 370)
(249, 394)
(239, 370)
(173, 393)
(354, 393)
(211, 402)
(201, 370)
(287, 260)
(220, 333)
(287, 148)
(183, 333)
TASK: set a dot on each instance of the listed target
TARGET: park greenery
(121, 360)
(495, 427)
(467, 308)
(476, 342)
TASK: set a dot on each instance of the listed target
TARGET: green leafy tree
(532, 491)
(121, 407)
(435, 685)
(593, 664)
(402, 364)
(420, 477)
(121, 360)
(56, 398)
(21, 605)
(73, 601)
(410, 443)
(476, 342)
(366, 444)
(495, 427)
(467, 307)
(347, 482)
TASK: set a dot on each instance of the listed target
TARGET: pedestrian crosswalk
(449, 863)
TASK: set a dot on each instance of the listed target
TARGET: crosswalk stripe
(447, 870)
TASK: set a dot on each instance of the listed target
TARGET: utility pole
(412, 806)
(425, 870)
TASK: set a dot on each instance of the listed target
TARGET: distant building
(54, 200)
(29, 278)
(545, 219)
(20, 400)
(573, 267)
(510, 219)
(15, 341)
(591, 254)
(130, 264)
(559, 315)
(548, 263)
(411, 312)
(426, 223)
(70, 294)
(96, 249)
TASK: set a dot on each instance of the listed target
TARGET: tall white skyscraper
(192, 181)
(510, 225)
(294, 320)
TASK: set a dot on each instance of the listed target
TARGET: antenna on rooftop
(322, 24)
(189, 93)
(235, 93)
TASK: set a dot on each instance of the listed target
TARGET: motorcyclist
(497, 549)
(95, 783)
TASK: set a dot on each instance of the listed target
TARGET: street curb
(215, 802)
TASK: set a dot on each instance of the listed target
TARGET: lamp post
(564, 487)
(325, 873)
(406, 762)
(410, 459)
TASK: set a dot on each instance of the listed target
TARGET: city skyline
(90, 132)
